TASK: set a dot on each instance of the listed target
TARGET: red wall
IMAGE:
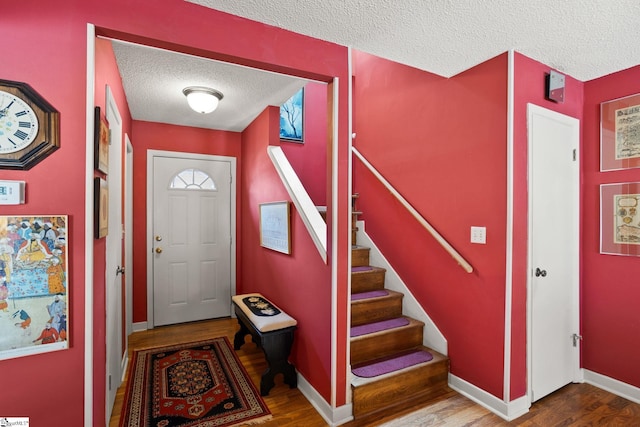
(54, 36)
(610, 291)
(54, 186)
(299, 283)
(529, 78)
(442, 144)
(309, 159)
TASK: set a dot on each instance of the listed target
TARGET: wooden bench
(272, 330)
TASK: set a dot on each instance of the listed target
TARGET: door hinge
(575, 338)
(109, 382)
(575, 154)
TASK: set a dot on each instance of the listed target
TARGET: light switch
(479, 235)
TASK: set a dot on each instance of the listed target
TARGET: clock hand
(3, 112)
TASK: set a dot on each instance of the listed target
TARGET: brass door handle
(158, 250)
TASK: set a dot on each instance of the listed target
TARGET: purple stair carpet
(370, 294)
(362, 268)
(395, 364)
(370, 328)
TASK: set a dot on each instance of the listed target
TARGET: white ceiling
(153, 80)
(585, 39)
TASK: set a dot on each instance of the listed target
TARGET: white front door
(554, 189)
(113, 257)
(191, 239)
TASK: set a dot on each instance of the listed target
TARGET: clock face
(18, 123)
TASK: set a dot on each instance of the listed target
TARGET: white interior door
(113, 260)
(191, 239)
(554, 250)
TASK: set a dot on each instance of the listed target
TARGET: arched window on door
(192, 179)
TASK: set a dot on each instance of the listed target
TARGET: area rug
(199, 384)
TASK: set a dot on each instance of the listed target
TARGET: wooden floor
(574, 405)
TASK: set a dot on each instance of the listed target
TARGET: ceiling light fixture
(202, 99)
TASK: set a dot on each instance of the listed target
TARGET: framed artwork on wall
(33, 284)
(275, 230)
(101, 142)
(100, 207)
(620, 219)
(291, 118)
(620, 133)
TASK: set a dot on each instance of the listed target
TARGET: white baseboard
(333, 416)
(611, 385)
(139, 326)
(123, 366)
(508, 411)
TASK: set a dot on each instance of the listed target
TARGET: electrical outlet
(479, 235)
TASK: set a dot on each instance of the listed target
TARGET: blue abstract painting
(291, 115)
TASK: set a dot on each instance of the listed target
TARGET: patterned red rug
(200, 384)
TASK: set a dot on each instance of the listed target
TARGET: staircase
(391, 368)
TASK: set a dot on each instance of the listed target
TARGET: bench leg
(238, 339)
(276, 350)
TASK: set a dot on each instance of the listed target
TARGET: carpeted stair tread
(391, 364)
(361, 268)
(370, 294)
(370, 328)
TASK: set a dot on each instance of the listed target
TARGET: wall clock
(29, 126)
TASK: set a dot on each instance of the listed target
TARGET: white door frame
(159, 153)
(114, 294)
(128, 236)
(88, 230)
(575, 246)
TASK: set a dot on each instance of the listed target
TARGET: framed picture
(33, 284)
(100, 207)
(291, 118)
(101, 141)
(275, 231)
(620, 133)
(620, 219)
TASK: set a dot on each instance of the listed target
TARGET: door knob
(158, 250)
(539, 272)
(158, 238)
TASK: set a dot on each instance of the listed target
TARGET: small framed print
(292, 118)
(620, 133)
(100, 207)
(275, 231)
(101, 142)
(620, 219)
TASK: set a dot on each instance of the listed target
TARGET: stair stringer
(432, 336)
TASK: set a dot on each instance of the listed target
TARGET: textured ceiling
(153, 80)
(583, 38)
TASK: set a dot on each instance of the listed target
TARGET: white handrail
(441, 240)
(309, 214)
